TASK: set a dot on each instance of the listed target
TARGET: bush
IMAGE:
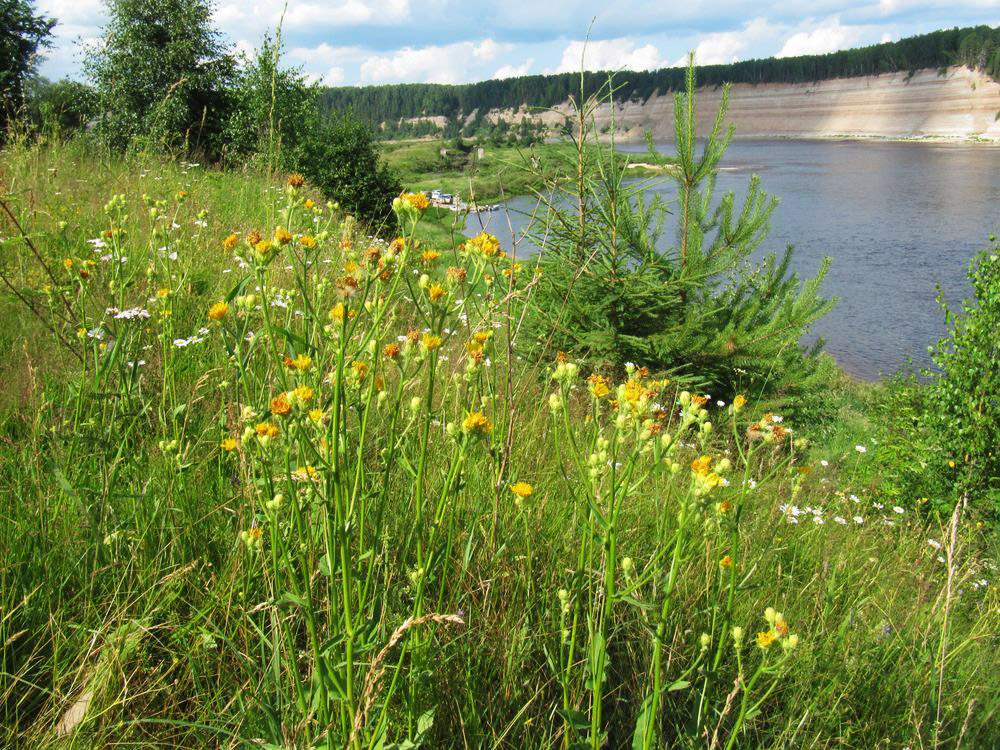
(339, 157)
(963, 402)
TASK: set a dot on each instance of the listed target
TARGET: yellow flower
(301, 362)
(599, 386)
(337, 312)
(457, 273)
(431, 341)
(435, 291)
(304, 473)
(739, 402)
(317, 415)
(476, 422)
(765, 638)
(263, 248)
(307, 241)
(228, 445)
(296, 180)
(218, 311)
(266, 429)
(701, 466)
(256, 533)
(282, 236)
(726, 561)
(162, 292)
(230, 242)
(482, 337)
(280, 405)
(391, 350)
(417, 200)
(360, 369)
(486, 244)
(522, 489)
(67, 263)
(303, 394)
(429, 256)
(309, 204)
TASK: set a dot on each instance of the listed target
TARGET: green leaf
(642, 724)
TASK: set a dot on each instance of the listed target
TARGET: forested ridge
(384, 106)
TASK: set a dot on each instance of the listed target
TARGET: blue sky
(359, 42)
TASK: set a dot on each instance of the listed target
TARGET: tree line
(386, 108)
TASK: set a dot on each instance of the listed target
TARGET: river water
(896, 218)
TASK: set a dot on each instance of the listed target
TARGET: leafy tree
(162, 74)
(59, 108)
(340, 158)
(21, 35)
(273, 111)
(699, 310)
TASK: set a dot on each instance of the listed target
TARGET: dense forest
(977, 47)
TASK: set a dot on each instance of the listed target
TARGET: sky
(365, 42)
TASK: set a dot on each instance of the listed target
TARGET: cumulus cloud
(435, 64)
(730, 46)
(515, 71)
(828, 38)
(609, 54)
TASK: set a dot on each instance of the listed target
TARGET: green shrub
(700, 310)
(964, 399)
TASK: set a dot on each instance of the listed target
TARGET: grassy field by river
(267, 482)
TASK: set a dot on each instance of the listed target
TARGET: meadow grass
(298, 489)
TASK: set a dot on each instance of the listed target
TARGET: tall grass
(297, 490)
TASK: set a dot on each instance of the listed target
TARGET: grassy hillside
(298, 489)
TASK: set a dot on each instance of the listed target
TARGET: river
(896, 218)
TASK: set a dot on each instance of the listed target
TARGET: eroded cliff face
(960, 104)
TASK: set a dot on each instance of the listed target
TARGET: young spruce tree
(700, 310)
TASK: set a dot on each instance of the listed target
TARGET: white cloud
(350, 13)
(828, 38)
(515, 71)
(609, 54)
(436, 64)
(729, 46)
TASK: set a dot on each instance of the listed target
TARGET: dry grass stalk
(377, 668)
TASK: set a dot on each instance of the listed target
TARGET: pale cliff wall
(962, 104)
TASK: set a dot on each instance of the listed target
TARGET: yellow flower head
(482, 337)
(431, 341)
(67, 263)
(599, 386)
(282, 236)
(307, 241)
(429, 256)
(726, 561)
(702, 466)
(218, 311)
(280, 405)
(522, 489)
(765, 638)
(739, 402)
(230, 242)
(228, 445)
(485, 244)
(391, 350)
(457, 273)
(303, 394)
(477, 423)
(266, 429)
(436, 292)
(317, 415)
(360, 369)
(296, 180)
(162, 292)
(301, 362)
(417, 200)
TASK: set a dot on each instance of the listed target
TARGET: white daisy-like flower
(860, 449)
(858, 520)
(840, 520)
(897, 509)
(934, 543)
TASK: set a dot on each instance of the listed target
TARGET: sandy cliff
(961, 104)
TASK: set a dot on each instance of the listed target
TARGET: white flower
(858, 520)
(841, 521)
(860, 449)
(777, 418)
(824, 462)
(896, 509)
(817, 520)
(934, 543)
(135, 312)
